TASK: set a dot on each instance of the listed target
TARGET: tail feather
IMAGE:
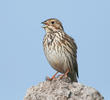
(73, 77)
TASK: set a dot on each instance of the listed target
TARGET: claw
(53, 77)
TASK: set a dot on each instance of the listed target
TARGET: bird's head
(52, 25)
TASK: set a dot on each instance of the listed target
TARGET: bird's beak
(45, 24)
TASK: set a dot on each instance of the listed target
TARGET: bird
(60, 50)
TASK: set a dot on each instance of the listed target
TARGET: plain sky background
(22, 61)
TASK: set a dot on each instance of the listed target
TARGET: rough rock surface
(62, 90)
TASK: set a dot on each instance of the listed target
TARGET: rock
(62, 89)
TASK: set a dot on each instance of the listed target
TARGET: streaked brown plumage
(60, 49)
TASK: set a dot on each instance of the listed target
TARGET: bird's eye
(52, 22)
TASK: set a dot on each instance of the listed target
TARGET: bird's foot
(65, 75)
(60, 76)
(50, 79)
(53, 77)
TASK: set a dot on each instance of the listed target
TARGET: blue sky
(22, 61)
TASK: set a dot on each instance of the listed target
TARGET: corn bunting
(60, 49)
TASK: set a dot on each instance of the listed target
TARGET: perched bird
(60, 49)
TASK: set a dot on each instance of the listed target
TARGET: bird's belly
(57, 61)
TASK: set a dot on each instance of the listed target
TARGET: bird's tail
(73, 77)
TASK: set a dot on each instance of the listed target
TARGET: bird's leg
(53, 77)
(61, 76)
(65, 74)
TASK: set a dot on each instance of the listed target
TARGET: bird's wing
(71, 47)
